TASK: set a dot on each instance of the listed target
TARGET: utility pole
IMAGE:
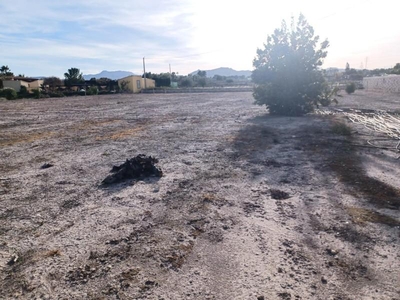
(170, 76)
(144, 72)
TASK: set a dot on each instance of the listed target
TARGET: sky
(47, 37)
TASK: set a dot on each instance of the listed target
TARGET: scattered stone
(13, 260)
(324, 280)
(278, 194)
(46, 166)
(137, 167)
(68, 204)
(150, 282)
(285, 296)
(331, 252)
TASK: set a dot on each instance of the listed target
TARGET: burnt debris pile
(279, 195)
(138, 167)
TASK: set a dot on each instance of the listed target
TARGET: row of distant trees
(361, 73)
(199, 79)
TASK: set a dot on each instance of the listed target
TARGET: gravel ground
(249, 206)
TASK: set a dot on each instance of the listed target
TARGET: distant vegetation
(350, 88)
(198, 79)
(73, 76)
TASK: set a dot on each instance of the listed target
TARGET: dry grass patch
(87, 124)
(52, 253)
(363, 215)
(120, 135)
(11, 139)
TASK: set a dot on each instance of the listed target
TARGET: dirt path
(210, 228)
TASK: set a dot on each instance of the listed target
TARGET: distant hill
(108, 74)
(224, 72)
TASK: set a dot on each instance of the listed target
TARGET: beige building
(17, 82)
(136, 83)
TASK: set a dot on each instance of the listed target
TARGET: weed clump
(341, 129)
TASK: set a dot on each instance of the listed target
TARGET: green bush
(341, 129)
(287, 75)
(350, 88)
(93, 90)
(186, 82)
(36, 93)
(55, 94)
(23, 92)
(70, 93)
(9, 94)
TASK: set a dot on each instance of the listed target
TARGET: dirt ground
(250, 206)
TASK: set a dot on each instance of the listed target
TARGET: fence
(390, 83)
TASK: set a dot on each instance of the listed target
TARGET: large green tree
(52, 82)
(396, 69)
(73, 76)
(287, 76)
(5, 71)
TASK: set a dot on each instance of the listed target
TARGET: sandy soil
(210, 228)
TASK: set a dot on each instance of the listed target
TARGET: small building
(30, 83)
(135, 83)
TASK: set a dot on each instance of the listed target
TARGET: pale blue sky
(46, 37)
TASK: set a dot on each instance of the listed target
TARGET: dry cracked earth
(250, 206)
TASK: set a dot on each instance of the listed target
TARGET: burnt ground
(249, 206)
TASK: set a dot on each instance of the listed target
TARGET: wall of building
(150, 83)
(35, 84)
(390, 83)
(14, 84)
(136, 83)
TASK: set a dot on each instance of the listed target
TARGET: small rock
(46, 166)
(260, 298)
(13, 260)
(331, 252)
(150, 282)
(324, 280)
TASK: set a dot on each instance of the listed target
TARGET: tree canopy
(5, 71)
(73, 76)
(287, 75)
(52, 82)
(201, 73)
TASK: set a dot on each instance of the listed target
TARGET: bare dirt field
(249, 206)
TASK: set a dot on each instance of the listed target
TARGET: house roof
(130, 76)
(26, 79)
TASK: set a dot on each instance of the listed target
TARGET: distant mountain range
(108, 74)
(224, 72)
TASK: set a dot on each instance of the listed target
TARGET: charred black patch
(140, 166)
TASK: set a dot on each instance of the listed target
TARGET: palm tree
(73, 76)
